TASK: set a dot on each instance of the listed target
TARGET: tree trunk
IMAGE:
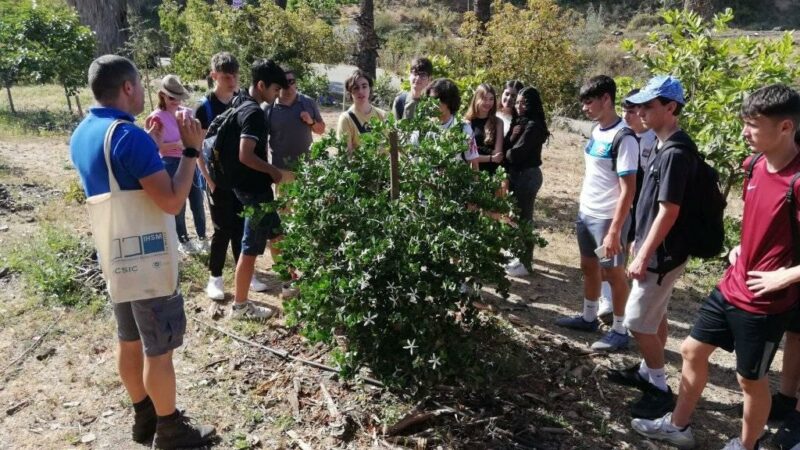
(483, 10)
(366, 58)
(69, 102)
(281, 3)
(108, 19)
(10, 100)
(78, 105)
(705, 8)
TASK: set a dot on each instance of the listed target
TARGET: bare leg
(159, 379)
(757, 402)
(694, 376)
(244, 274)
(592, 277)
(130, 363)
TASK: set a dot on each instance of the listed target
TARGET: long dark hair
(534, 110)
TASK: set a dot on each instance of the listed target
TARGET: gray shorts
(158, 322)
(591, 231)
(647, 302)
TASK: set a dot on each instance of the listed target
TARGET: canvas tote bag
(135, 239)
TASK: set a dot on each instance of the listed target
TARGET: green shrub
(314, 85)
(382, 279)
(59, 266)
(384, 92)
(645, 21)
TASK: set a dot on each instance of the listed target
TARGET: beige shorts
(647, 302)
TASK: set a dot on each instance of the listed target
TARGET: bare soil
(66, 393)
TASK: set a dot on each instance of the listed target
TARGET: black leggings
(225, 211)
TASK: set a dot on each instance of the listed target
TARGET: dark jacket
(524, 150)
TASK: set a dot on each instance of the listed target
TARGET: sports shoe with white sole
(662, 429)
(257, 286)
(516, 269)
(250, 311)
(611, 342)
(605, 310)
(215, 289)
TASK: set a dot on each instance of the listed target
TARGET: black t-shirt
(479, 132)
(667, 178)
(217, 108)
(252, 125)
(525, 149)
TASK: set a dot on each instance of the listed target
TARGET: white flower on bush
(413, 297)
(410, 345)
(394, 299)
(435, 361)
(369, 319)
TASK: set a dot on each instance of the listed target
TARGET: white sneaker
(662, 429)
(215, 288)
(257, 286)
(202, 245)
(736, 444)
(186, 248)
(250, 311)
(516, 269)
(605, 307)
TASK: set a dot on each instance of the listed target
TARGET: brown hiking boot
(144, 422)
(177, 431)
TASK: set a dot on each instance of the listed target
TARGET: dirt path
(66, 391)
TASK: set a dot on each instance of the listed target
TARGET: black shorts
(754, 337)
(793, 324)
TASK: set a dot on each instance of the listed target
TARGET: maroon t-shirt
(766, 239)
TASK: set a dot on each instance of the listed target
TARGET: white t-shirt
(506, 122)
(600, 184)
(472, 148)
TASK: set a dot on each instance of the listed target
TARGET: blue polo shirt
(134, 155)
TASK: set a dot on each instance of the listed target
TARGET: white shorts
(647, 302)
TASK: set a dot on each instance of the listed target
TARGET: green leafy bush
(198, 30)
(382, 279)
(314, 85)
(384, 92)
(717, 73)
(59, 266)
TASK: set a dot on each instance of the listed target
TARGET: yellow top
(348, 130)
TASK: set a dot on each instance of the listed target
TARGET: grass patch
(39, 122)
(54, 264)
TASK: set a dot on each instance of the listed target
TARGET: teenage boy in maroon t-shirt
(749, 309)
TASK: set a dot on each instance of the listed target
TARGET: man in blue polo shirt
(148, 329)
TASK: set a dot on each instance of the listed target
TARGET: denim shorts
(258, 232)
(158, 322)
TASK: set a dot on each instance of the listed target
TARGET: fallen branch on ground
(33, 346)
(282, 353)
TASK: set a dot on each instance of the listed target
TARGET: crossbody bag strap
(113, 185)
(790, 199)
(361, 128)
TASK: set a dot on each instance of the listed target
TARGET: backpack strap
(753, 160)
(790, 200)
(207, 107)
(400, 105)
(361, 128)
(615, 144)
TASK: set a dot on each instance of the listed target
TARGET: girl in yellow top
(356, 119)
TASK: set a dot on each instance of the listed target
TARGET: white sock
(644, 371)
(589, 310)
(658, 378)
(605, 290)
(618, 326)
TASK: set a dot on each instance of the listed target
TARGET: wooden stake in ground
(394, 170)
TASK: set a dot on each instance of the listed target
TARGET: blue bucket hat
(665, 86)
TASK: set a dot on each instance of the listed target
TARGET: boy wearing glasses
(290, 121)
(405, 104)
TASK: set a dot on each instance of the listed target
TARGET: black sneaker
(653, 404)
(144, 424)
(788, 433)
(629, 377)
(177, 431)
(782, 405)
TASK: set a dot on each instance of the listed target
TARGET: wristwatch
(190, 152)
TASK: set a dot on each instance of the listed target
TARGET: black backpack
(704, 203)
(400, 105)
(790, 201)
(615, 144)
(221, 148)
